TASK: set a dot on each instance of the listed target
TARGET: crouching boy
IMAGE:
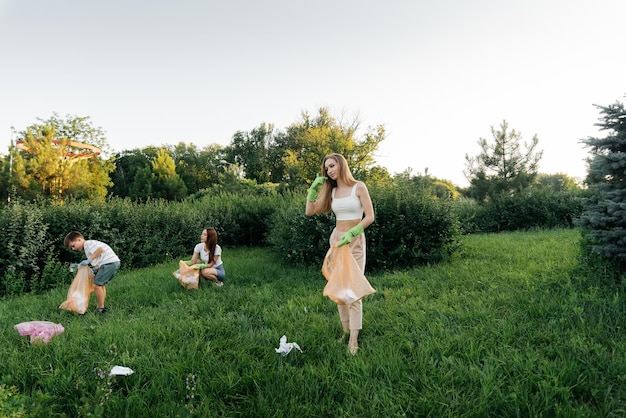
(103, 259)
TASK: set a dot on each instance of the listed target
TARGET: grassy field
(509, 328)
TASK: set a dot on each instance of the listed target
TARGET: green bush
(412, 227)
(469, 213)
(533, 209)
(54, 274)
(297, 238)
(146, 233)
(32, 256)
(23, 230)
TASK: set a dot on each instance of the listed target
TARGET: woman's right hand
(314, 189)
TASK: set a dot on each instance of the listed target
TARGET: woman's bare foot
(353, 344)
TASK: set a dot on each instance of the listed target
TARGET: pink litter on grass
(39, 330)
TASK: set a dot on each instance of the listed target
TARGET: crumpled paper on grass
(121, 371)
(285, 348)
(39, 330)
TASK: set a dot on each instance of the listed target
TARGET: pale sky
(437, 74)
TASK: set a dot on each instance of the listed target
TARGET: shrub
(54, 273)
(411, 227)
(32, 256)
(532, 209)
(23, 232)
(470, 214)
(145, 233)
(297, 238)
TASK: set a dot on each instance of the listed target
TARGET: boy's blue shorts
(106, 273)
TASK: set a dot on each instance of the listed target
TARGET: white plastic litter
(120, 371)
(285, 348)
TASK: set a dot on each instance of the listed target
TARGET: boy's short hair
(71, 237)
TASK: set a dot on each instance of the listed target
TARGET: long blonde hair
(325, 196)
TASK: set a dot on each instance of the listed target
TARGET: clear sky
(438, 74)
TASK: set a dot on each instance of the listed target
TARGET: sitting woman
(209, 255)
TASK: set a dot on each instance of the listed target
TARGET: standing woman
(210, 253)
(350, 201)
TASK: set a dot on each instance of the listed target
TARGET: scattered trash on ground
(285, 347)
(39, 330)
(121, 371)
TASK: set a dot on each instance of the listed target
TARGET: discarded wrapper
(39, 330)
(285, 348)
(120, 371)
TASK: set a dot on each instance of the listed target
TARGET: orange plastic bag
(188, 276)
(79, 292)
(346, 283)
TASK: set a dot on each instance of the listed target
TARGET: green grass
(511, 327)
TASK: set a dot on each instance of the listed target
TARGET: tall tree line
(289, 158)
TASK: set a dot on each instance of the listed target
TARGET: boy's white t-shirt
(107, 255)
(204, 255)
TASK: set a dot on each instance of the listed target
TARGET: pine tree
(503, 165)
(604, 215)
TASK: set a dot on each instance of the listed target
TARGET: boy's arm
(96, 254)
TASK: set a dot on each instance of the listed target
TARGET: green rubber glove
(315, 187)
(346, 238)
(200, 266)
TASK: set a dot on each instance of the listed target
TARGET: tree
(128, 164)
(48, 162)
(199, 169)
(166, 183)
(156, 179)
(502, 166)
(251, 151)
(558, 182)
(438, 188)
(77, 128)
(604, 215)
(305, 144)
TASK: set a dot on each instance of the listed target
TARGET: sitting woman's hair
(211, 242)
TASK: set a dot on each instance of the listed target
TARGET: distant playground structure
(73, 151)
